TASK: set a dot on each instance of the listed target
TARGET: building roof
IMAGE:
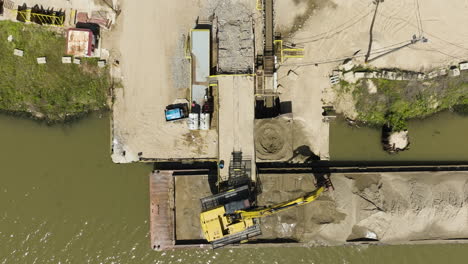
(200, 44)
(201, 54)
(79, 42)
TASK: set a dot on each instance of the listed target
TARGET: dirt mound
(273, 139)
(386, 207)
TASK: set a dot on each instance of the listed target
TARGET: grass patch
(396, 102)
(53, 91)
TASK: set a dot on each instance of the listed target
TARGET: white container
(205, 121)
(193, 121)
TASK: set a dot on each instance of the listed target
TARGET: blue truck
(176, 111)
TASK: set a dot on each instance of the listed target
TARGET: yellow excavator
(229, 217)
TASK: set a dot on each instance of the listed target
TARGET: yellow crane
(228, 217)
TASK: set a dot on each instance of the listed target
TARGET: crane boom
(262, 212)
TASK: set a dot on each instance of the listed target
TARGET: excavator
(231, 217)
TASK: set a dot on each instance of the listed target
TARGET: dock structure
(236, 120)
(268, 56)
(162, 210)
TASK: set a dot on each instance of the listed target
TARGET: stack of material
(100, 18)
(235, 34)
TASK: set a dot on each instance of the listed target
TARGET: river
(62, 200)
(441, 137)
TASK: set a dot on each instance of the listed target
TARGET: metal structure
(284, 50)
(40, 16)
(230, 217)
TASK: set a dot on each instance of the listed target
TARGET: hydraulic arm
(261, 212)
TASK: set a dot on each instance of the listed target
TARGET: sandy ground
(190, 189)
(338, 29)
(389, 207)
(236, 119)
(156, 73)
(147, 40)
(343, 29)
(81, 5)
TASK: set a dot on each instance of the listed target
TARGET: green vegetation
(52, 91)
(395, 102)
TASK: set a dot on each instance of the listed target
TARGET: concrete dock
(236, 119)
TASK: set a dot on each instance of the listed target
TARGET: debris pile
(235, 37)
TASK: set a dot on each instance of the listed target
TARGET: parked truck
(176, 111)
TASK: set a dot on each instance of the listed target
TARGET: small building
(77, 61)
(80, 42)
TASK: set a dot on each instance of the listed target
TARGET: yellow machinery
(228, 218)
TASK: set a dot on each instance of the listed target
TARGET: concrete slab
(139, 125)
(41, 60)
(236, 119)
(18, 52)
(66, 60)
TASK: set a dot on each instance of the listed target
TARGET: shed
(79, 42)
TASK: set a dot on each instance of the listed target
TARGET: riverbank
(379, 102)
(440, 137)
(53, 91)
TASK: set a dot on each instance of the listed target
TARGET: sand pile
(386, 207)
(283, 139)
(189, 191)
(273, 139)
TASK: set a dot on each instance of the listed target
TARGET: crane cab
(220, 225)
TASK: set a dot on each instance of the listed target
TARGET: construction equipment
(230, 217)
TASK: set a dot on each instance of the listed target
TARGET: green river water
(62, 200)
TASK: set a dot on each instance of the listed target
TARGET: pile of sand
(272, 139)
(385, 207)
(283, 139)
